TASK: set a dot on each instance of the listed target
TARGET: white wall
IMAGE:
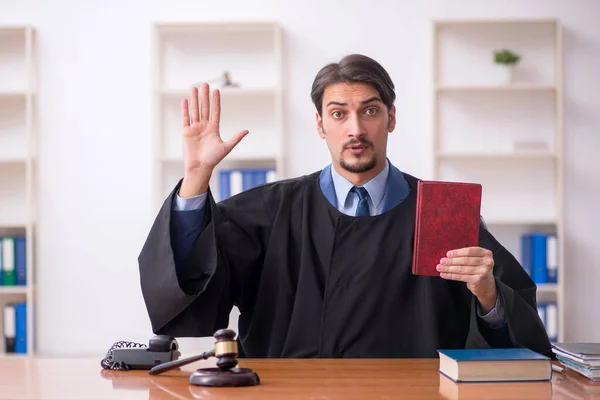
(95, 164)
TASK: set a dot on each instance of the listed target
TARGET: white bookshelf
(188, 54)
(18, 154)
(508, 136)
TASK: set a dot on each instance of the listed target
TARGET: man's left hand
(473, 265)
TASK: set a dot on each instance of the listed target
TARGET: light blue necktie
(362, 209)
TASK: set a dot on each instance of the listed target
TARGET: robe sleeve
(197, 300)
(517, 291)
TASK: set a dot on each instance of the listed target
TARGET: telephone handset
(129, 355)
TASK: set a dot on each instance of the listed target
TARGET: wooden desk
(280, 379)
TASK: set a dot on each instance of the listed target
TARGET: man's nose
(355, 126)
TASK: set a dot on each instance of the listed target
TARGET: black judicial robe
(310, 281)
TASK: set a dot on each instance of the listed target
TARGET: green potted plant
(506, 60)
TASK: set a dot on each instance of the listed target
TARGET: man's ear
(392, 119)
(320, 126)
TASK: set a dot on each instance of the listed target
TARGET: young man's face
(355, 124)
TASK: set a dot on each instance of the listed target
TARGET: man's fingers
(459, 277)
(461, 269)
(205, 106)
(462, 261)
(185, 113)
(216, 106)
(194, 102)
(469, 252)
(231, 143)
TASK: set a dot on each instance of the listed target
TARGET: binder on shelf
(552, 258)
(9, 324)
(235, 181)
(539, 272)
(526, 253)
(548, 312)
(21, 328)
(20, 261)
(8, 261)
(539, 256)
(1, 262)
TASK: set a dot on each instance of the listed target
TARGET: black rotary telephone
(162, 355)
(129, 355)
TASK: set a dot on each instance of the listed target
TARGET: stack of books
(583, 358)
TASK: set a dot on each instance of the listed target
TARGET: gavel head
(226, 349)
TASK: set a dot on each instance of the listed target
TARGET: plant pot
(504, 74)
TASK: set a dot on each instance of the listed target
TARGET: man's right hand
(203, 147)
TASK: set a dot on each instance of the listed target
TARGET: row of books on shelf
(539, 256)
(13, 264)
(14, 323)
(548, 312)
(235, 181)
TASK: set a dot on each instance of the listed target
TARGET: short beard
(359, 168)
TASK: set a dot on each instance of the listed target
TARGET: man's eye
(371, 111)
(336, 114)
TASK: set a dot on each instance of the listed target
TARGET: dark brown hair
(353, 68)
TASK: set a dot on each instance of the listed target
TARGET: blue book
(20, 261)
(494, 365)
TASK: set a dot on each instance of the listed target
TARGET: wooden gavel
(226, 352)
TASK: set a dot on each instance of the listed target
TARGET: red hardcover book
(448, 218)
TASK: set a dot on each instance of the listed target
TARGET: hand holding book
(473, 265)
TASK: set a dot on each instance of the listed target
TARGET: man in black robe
(320, 265)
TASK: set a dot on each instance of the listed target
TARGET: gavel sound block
(226, 374)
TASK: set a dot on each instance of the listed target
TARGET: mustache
(354, 142)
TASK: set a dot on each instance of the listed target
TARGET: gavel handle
(164, 367)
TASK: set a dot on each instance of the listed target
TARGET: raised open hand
(203, 147)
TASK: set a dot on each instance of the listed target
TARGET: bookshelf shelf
(187, 54)
(547, 287)
(13, 290)
(4, 356)
(18, 180)
(505, 134)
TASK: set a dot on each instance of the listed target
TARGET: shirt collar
(375, 187)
